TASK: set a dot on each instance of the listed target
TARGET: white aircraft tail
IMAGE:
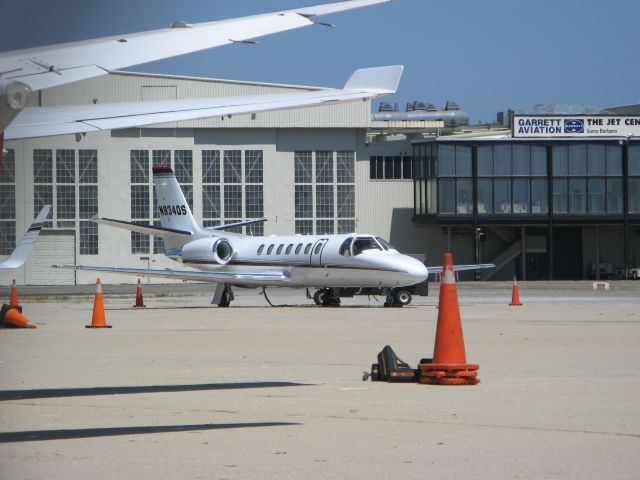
(26, 244)
(173, 208)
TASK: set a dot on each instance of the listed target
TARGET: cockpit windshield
(362, 244)
(386, 245)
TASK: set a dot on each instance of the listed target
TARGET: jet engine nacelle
(13, 98)
(208, 250)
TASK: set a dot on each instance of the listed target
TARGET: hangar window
(253, 166)
(211, 166)
(304, 227)
(260, 249)
(280, 247)
(324, 192)
(68, 180)
(270, 249)
(289, 248)
(232, 190)
(324, 167)
(7, 203)
(232, 166)
(303, 201)
(324, 227)
(346, 226)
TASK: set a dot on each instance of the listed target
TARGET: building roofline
(216, 80)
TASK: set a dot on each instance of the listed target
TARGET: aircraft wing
(59, 120)
(49, 66)
(460, 268)
(28, 240)
(253, 278)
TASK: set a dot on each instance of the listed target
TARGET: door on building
(567, 253)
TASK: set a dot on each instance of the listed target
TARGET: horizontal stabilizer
(134, 227)
(227, 226)
(211, 276)
(460, 268)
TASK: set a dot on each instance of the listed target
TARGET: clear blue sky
(487, 55)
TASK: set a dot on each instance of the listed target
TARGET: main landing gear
(223, 295)
(327, 297)
(398, 298)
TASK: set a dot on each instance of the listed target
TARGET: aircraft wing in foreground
(26, 244)
(59, 120)
(23, 71)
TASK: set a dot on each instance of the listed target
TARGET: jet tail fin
(26, 244)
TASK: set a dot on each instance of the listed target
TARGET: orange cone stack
(11, 317)
(139, 299)
(13, 300)
(449, 364)
(515, 295)
(98, 320)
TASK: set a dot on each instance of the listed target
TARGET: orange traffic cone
(98, 320)
(139, 300)
(11, 317)
(449, 364)
(13, 299)
(515, 295)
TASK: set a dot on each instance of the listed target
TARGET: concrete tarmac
(184, 390)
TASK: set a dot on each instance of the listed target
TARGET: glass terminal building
(552, 207)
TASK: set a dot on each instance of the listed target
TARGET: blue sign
(574, 126)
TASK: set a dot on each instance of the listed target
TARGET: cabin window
(280, 247)
(270, 249)
(298, 248)
(288, 251)
(307, 248)
(345, 248)
(362, 244)
(260, 249)
(318, 248)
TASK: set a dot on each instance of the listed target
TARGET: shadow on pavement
(40, 435)
(126, 390)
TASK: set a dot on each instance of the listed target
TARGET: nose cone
(416, 269)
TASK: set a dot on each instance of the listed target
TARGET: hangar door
(53, 247)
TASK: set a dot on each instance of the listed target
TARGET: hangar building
(307, 170)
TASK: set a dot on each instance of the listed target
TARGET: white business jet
(325, 262)
(24, 71)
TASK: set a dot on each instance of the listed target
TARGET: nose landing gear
(398, 298)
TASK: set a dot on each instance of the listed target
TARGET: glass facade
(505, 179)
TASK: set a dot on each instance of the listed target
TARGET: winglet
(381, 80)
(23, 249)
